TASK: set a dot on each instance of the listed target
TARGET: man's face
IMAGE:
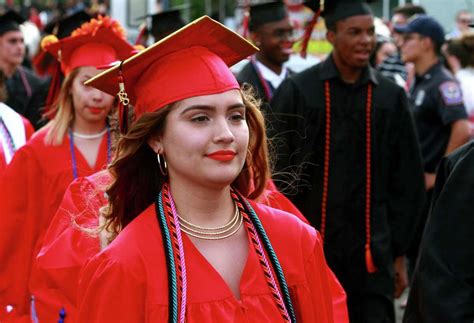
(275, 40)
(12, 48)
(463, 21)
(397, 20)
(353, 40)
(414, 45)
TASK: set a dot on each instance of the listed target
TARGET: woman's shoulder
(139, 240)
(285, 227)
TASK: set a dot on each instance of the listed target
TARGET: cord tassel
(369, 261)
(307, 33)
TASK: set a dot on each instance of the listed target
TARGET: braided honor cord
(178, 248)
(172, 282)
(258, 233)
(368, 166)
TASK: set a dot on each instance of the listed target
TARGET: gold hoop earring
(162, 164)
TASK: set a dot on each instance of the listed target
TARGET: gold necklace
(216, 233)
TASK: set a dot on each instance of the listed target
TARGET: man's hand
(401, 276)
(430, 179)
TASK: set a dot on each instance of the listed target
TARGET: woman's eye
(199, 119)
(237, 117)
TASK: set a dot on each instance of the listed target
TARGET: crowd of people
(150, 182)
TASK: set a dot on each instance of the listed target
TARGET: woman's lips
(222, 155)
(95, 110)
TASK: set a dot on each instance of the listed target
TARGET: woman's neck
(202, 206)
(88, 128)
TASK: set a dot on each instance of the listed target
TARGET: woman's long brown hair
(137, 179)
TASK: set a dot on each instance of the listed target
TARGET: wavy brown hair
(137, 179)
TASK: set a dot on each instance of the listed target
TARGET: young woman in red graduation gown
(76, 142)
(189, 244)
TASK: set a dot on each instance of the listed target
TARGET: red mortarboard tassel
(54, 89)
(307, 33)
(245, 21)
(143, 31)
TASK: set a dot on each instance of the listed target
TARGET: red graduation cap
(193, 61)
(96, 43)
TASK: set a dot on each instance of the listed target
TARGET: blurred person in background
(393, 66)
(76, 142)
(15, 130)
(384, 47)
(346, 148)
(459, 54)
(26, 91)
(436, 102)
(442, 288)
(271, 31)
(463, 20)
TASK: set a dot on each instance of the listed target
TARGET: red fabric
(102, 47)
(185, 73)
(274, 198)
(66, 248)
(127, 281)
(193, 61)
(31, 189)
(29, 130)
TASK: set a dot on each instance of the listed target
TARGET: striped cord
(170, 263)
(179, 249)
(258, 233)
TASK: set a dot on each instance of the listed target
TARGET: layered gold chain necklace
(215, 233)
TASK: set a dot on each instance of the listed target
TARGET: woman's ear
(155, 144)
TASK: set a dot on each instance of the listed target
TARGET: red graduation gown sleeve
(66, 248)
(275, 199)
(111, 293)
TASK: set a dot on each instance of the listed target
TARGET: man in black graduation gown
(26, 91)
(346, 143)
(271, 31)
(442, 289)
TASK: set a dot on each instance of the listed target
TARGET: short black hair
(409, 10)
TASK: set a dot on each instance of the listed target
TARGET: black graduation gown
(442, 289)
(298, 135)
(27, 103)
(249, 75)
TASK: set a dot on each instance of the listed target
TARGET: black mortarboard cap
(264, 13)
(63, 26)
(165, 23)
(314, 5)
(335, 10)
(10, 21)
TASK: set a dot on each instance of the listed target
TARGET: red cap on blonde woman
(193, 61)
(96, 43)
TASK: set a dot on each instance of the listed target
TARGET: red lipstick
(95, 110)
(222, 155)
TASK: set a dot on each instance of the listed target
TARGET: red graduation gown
(66, 248)
(127, 281)
(31, 189)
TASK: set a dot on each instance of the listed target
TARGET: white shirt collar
(271, 76)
